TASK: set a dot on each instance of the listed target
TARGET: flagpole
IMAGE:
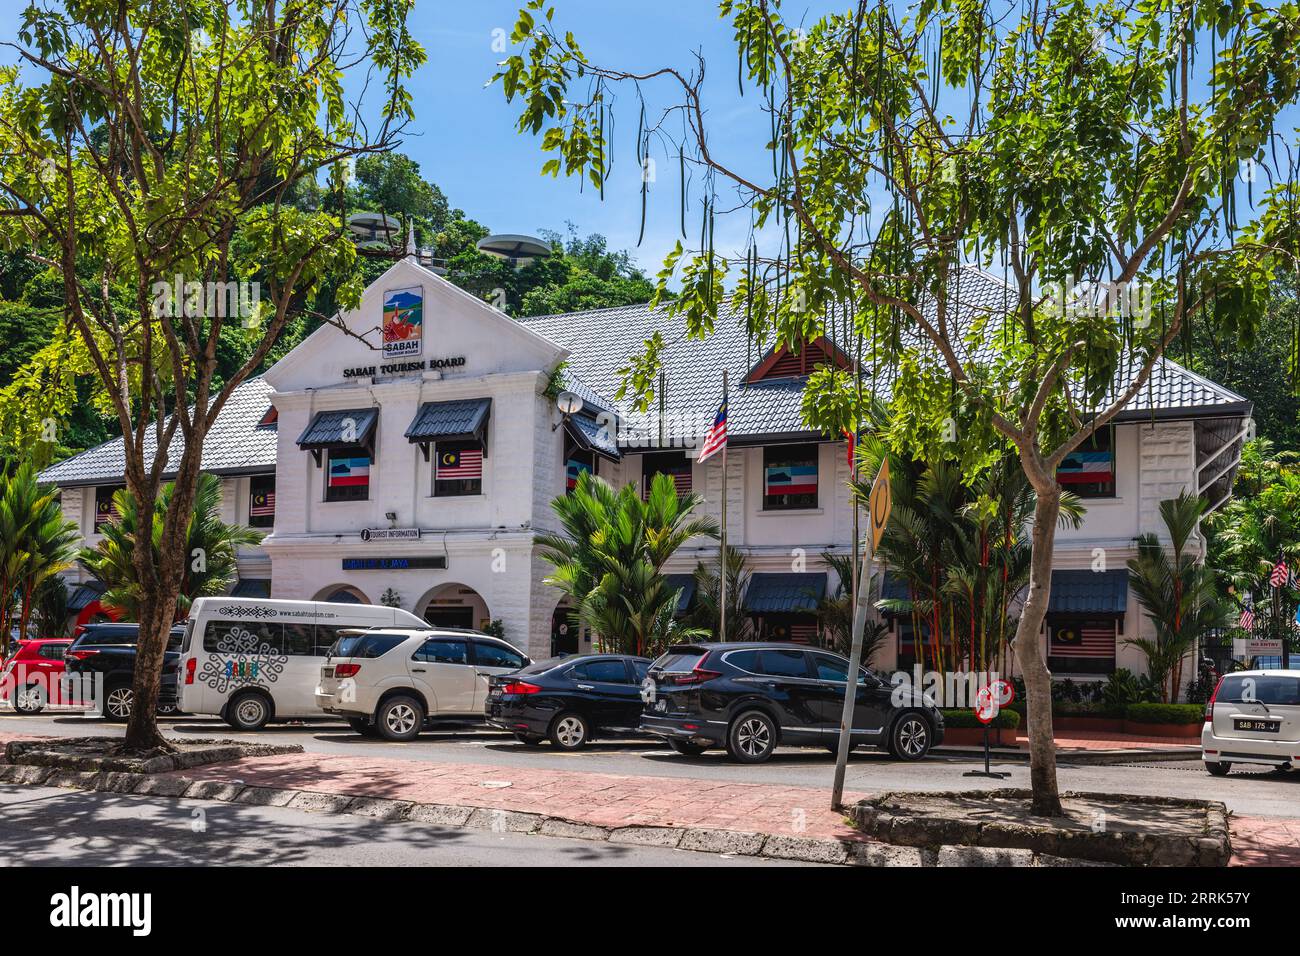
(722, 575)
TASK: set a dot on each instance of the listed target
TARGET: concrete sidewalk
(793, 822)
(1087, 747)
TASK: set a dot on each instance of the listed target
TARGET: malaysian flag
(716, 438)
(1247, 619)
(105, 508)
(263, 503)
(460, 464)
(1086, 640)
(1281, 573)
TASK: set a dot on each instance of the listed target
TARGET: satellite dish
(568, 403)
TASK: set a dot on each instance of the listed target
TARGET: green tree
(141, 141)
(835, 612)
(211, 549)
(1177, 591)
(707, 613)
(1257, 527)
(1079, 148)
(610, 556)
(36, 543)
(1259, 371)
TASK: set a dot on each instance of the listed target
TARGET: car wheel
(569, 731)
(910, 738)
(167, 710)
(363, 726)
(399, 718)
(752, 737)
(1217, 768)
(248, 711)
(118, 701)
(30, 700)
(685, 747)
(529, 740)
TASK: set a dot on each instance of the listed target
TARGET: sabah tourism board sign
(403, 322)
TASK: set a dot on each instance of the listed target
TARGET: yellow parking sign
(881, 503)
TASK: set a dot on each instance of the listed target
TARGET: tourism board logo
(403, 322)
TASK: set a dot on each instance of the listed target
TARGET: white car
(1253, 717)
(388, 682)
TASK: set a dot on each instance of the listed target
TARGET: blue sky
(465, 141)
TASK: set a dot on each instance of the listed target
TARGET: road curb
(1076, 757)
(775, 846)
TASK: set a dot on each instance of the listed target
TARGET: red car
(31, 677)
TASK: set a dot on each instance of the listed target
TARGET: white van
(252, 660)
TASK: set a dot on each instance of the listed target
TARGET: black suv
(109, 650)
(751, 698)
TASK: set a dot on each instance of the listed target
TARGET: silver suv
(388, 682)
(1253, 717)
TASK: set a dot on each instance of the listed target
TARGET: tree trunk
(160, 584)
(1033, 664)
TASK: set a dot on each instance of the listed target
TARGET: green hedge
(1006, 718)
(1165, 713)
(1089, 709)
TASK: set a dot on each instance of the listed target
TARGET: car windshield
(365, 646)
(1264, 688)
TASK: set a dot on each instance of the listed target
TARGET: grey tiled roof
(462, 418)
(330, 428)
(235, 445)
(1088, 592)
(602, 340)
(776, 591)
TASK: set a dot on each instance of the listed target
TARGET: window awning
(252, 588)
(1088, 592)
(85, 595)
(687, 584)
(591, 436)
(340, 428)
(775, 592)
(464, 419)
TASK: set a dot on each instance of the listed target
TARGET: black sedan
(752, 698)
(571, 700)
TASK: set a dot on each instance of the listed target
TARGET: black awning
(1089, 592)
(252, 588)
(776, 592)
(464, 419)
(590, 435)
(85, 595)
(340, 428)
(687, 584)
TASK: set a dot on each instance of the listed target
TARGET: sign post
(988, 702)
(879, 505)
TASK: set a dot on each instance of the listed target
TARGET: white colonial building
(414, 457)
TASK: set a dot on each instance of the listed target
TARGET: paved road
(1252, 792)
(45, 826)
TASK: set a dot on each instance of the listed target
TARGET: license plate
(1259, 726)
(327, 672)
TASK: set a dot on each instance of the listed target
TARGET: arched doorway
(341, 594)
(565, 632)
(454, 605)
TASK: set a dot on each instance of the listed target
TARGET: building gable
(443, 330)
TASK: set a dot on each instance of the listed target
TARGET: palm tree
(708, 595)
(212, 548)
(36, 543)
(609, 559)
(1177, 591)
(836, 611)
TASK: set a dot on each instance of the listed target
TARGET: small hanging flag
(716, 437)
(1247, 620)
(1280, 573)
